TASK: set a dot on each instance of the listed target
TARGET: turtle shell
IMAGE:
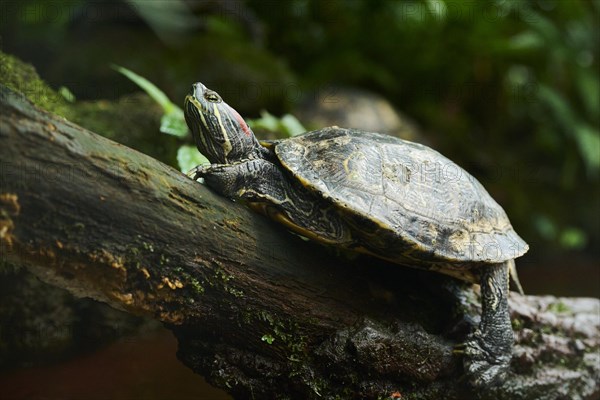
(403, 201)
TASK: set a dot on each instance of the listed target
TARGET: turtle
(376, 194)
(359, 108)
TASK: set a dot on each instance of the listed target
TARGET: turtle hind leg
(488, 350)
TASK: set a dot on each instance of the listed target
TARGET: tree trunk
(258, 311)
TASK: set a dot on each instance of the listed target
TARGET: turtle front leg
(246, 179)
(488, 350)
(269, 191)
(197, 172)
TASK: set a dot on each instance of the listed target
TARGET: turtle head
(220, 133)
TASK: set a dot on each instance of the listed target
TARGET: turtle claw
(483, 366)
(197, 172)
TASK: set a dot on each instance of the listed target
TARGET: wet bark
(258, 311)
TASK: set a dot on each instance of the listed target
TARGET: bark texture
(258, 311)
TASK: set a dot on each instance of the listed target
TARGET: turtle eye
(212, 97)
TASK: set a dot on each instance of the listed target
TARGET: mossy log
(258, 311)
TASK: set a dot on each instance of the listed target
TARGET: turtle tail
(514, 277)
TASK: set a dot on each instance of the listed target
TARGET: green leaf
(588, 140)
(268, 338)
(147, 86)
(267, 121)
(173, 121)
(545, 227)
(66, 94)
(542, 25)
(560, 107)
(189, 157)
(286, 126)
(410, 11)
(224, 27)
(573, 238)
(586, 137)
(526, 41)
(588, 85)
(437, 9)
(170, 20)
(174, 124)
(291, 125)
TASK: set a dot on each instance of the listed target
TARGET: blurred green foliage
(508, 88)
(286, 126)
(173, 121)
(189, 157)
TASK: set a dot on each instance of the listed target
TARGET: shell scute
(423, 205)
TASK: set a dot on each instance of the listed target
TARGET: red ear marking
(241, 121)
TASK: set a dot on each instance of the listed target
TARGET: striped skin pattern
(219, 131)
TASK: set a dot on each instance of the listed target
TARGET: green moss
(23, 78)
(548, 330)
(130, 120)
(148, 247)
(287, 333)
(198, 288)
(268, 339)
(221, 275)
(188, 280)
(235, 292)
(164, 260)
(559, 307)
(517, 324)
(220, 281)
(223, 278)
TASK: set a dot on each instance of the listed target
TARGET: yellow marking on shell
(345, 164)
(352, 175)
(227, 144)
